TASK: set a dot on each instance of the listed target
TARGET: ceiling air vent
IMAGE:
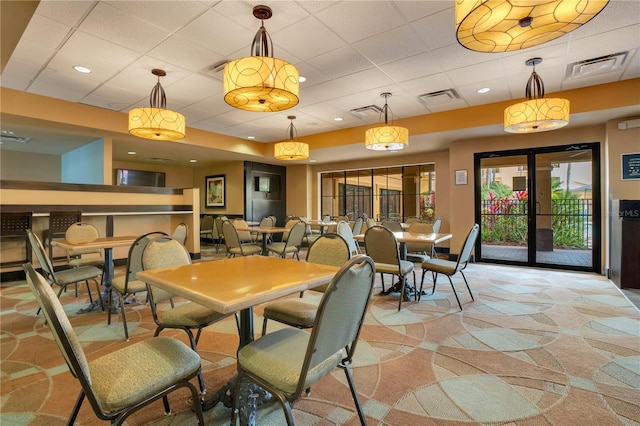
(439, 97)
(159, 160)
(215, 69)
(599, 65)
(13, 139)
(366, 111)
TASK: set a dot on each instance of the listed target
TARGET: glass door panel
(504, 220)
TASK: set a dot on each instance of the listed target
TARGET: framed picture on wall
(461, 177)
(215, 189)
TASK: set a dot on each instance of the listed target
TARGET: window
(394, 192)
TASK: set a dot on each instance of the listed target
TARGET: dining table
(265, 231)
(107, 244)
(323, 226)
(237, 285)
(411, 237)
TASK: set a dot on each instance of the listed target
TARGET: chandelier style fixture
(537, 113)
(156, 122)
(504, 25)
(386, 138)
(261, 82)
(291, 149)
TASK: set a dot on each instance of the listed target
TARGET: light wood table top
(103, 242)
(410, 237)
(239, 283)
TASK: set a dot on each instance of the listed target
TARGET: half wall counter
(114, 210)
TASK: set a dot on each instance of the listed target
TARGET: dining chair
(165, 252)
(65, 277)
(393, 225)
(83, 232)
(382, 247)
(206, 228)
(289, 224)
(219, 220)
(357, 226)
(449, 267)
(289, 361)
(265, 222)
(111, 384)
(243, 236)
(329, 249)
(344, 230)
(181, 233)
(59, 221)
(233, 244)
(292, 244)
(127, 284)
(13, 227)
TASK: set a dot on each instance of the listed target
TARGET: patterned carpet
(537, 347)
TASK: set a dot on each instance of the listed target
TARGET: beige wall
(300, 191)
(234, 191)
(16, 165)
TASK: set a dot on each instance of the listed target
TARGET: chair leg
(402, 285)
(109, 304)
(193, 341)
(124, 317)
(468, 288)
(354, 393)
(264, 325)
(382, 282)
(76, 409)
(455, 293)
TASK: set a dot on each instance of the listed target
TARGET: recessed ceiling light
(301, 79)
(484, 90)
(312, 161)
(251, 137)
(83, 70)
(7, 132)
(338, 119)
(132, 153)
(193, 160)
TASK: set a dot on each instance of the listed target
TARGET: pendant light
(157, 122)
(261, 82)
(537, 113)
(386, 138)
(291, 149)
(505, 25)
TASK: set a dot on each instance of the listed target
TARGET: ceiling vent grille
(598, 65)
(439, 97)
(159, 160)
(366, 111)
(13, 139)
(215, 69)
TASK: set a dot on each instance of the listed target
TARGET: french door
(540, 207)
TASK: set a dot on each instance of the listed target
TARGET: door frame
(530, 153)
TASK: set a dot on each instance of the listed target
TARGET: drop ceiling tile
(575, 83)
(113, 98)
(181, 52)
(339, 62)
(306, 39)
(499, 92)
(455, 56)
(428, 84)
(170, 15)
(632, 70)
(122, 29)
(615, 41)
(56, 91)
(416, 10)
(450, 106)
(32, 53)
(617, 14)
(383, 48)
(476, 73)
(373, 17)
(215, 32)
(46, 32)
(137, 77)
(18, 74)
(437, 30)
(67, 12)
(413, 67)
(101, 56)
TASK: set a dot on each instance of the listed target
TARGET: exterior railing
(505, 221)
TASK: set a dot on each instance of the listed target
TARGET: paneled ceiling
(349, 51)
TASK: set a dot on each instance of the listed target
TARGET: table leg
(265, 252)
(107, 276)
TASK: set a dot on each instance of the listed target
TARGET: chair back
(326, 218)
(412, 219)
(218, 223)
(163, 252)
(134, 258)
(344, 230)
(340, 315)
(230, 234)
(41, 255)
(393, 225)
(62, 331)
(289, 224)
(329, 249)
(437, 224)
(206, 224)
(382, 245)
(357, 226)
(467, 247)
(371, 223)
(81, 232)
(244, 236)
(296, 235)
(266, 222)
(181, 233)
(420, 228)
